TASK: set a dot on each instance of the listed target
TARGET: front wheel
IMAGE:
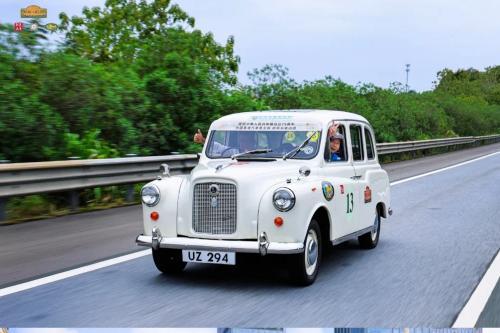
(305, 265)
(370, 239)
(168, 261)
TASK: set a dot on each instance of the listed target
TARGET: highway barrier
(18, 179)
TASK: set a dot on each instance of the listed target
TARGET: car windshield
(271, 144)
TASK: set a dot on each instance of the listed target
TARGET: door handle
(355, 177)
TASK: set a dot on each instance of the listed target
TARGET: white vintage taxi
(270, 182)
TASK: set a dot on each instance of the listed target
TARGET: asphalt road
(432, 253)
(38, 248)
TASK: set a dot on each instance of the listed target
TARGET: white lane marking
(73, 272)
(475, 305)
(442, 169)
(114, 261)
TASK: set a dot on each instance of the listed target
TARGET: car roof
(306, 115)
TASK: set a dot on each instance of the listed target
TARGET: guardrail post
(74, 201)
(3, 201)
(74, 196)
(130, 187)
(3, 214)
(130, 193)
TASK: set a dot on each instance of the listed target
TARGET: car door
(340, 174)
(358, 212)
(370, 165)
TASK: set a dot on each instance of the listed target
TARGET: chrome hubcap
(311, 252)
(375, 228)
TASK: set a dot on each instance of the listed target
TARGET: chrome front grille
(214, 213)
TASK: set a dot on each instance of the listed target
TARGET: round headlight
(150, 195)
(283, 199)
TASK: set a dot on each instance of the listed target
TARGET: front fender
(167, 207)
(309, 197)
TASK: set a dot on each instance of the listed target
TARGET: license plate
(209, 257)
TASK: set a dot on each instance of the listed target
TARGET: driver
(246, 141)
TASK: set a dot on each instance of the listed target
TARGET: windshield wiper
(251, 152)
(296, 150)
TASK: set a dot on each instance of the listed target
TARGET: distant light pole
(407, 73)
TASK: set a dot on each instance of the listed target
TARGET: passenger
(246, 142)
(198, 137)
(336, 139)
(335, 144)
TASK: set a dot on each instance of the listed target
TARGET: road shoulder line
(442, 169)
(73, 272)
(470, 313)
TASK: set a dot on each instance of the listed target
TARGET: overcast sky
(354, 40)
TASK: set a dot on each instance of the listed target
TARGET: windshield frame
(211, 133)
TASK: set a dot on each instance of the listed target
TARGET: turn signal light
(278, 221)
(154, 216)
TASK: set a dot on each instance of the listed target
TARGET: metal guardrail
(17, 179)
(44, 177)
(407, 146)
(401, 147)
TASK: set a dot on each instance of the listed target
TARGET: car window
(340, 155)
(356, 143)
(219, 137)
(224, 143)
(370, 150)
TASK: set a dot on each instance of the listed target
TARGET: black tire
(302, 273)
(168, 261)
(370, 240)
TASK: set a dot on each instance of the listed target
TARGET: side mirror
(304, 171)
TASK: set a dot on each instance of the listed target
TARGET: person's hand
(333, 129)
(198, 137)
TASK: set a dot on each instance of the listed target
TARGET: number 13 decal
(350, 202)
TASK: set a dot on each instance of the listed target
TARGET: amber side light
(154, 216)
(278, 221)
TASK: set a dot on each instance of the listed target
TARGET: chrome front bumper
(263, 246)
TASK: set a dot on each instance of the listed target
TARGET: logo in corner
(33, 11)
(51, 27)
(18, 26)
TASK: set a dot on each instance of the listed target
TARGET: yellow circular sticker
(314, 138)
(289, 136)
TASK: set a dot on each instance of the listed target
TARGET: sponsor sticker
(289, 136)
(328, 190)
(314, 137)
(368, 194)
(308, 150)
